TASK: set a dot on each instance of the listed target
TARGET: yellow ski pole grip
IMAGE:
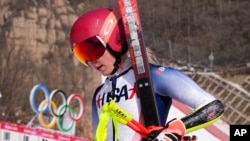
(123, 116)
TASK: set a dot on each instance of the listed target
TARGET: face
(92, 52)
(104, 64)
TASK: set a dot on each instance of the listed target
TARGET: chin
(104, 73)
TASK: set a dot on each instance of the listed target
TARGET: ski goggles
(89, 50)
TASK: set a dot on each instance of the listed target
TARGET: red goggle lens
(89, 50)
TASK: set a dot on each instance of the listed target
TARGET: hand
(173, 131)
(163, 136)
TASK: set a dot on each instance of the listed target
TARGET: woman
(97, 39)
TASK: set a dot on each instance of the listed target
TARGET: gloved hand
(173, 131)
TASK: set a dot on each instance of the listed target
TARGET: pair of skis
(133, 30)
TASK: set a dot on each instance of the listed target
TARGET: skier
(98, 40)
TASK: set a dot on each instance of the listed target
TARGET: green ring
(60, 126)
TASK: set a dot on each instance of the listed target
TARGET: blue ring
(33, 94)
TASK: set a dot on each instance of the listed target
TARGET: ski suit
(168, 83)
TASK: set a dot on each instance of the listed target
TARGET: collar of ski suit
(126, 64)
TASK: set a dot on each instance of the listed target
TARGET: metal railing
(234, 96)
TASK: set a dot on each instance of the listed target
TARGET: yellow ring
(41, 119)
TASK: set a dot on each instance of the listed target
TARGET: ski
(133, 30)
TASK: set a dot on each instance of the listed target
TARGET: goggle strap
(108, 27)
(101, 40)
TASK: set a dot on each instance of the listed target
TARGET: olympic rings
(57, 113)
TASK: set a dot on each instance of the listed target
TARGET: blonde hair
(152, 59)
(151, 56)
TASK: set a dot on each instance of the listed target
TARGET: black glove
(173, 131)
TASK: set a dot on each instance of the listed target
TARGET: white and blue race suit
(168, 83)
